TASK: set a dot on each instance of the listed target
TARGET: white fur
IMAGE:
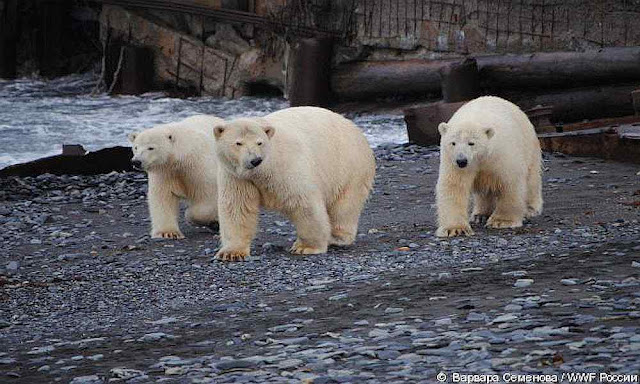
(181, 165)
(317, 170)
(504, 167)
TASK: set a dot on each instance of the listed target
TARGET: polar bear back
(330, 150)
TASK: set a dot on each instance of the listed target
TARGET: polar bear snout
(462, 161)
(254, 162)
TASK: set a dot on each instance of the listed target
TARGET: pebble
(522, 283)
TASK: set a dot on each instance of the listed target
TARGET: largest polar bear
(312, 165)
(488, 149)
(180, 161)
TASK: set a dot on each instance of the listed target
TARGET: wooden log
(560, 69)
(578, 104)
(309, 72)
(102, 161)
(368, 80)
(8, 38)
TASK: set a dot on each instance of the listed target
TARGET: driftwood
(101, 161)
(548, 70)
(578, 104)
(367, 80)
(532, 72)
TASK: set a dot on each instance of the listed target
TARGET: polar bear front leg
(238, 209)
(312, 228)
(510, 207)
(483, 206)
(453, 207)
(164, 208)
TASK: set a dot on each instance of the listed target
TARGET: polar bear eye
(259, 143)
(239, 144)
(453, 143)
(471, 143)
(151, 148)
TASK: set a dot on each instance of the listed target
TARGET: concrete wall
(219, 60)
(388, 29)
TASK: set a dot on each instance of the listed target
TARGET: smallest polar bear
(488, 150)
(310, 164)
(180, 161)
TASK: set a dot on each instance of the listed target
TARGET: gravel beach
(87, 297)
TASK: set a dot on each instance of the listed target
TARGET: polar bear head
(463, 146)
(243, 145)
(153, 148)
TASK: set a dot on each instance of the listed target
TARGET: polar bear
(310, 164)
(180, 161)
(489, 150)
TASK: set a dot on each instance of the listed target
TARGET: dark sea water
(37, 117)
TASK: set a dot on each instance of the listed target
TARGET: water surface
(37, 116)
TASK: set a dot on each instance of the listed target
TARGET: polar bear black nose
(136, 164)
(257, 161)
(462, 163)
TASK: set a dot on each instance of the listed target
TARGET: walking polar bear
(310, 164)
(489, 149)
(180, 161)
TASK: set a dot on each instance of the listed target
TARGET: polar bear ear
(269, 130)
(132, 136)
(442, 128)
(218, 130)
(489, 132)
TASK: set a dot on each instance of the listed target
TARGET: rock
(125, 373)
(155, 336)
(290, 363)
(92, 379)
(301, 309)
(236, 364)
(505, 318)
(569, 281)
(41, 350)
(522, 283)
(391, 310)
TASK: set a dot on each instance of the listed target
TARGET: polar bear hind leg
(312, 228)
(534, 193)
(344, 214)
(205, 214)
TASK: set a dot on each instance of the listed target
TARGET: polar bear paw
(501, 222)
(300, 248)
(230, 254)
(175, 235)
(454, 230)
(479, 218)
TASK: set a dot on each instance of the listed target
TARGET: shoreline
(84, 292)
